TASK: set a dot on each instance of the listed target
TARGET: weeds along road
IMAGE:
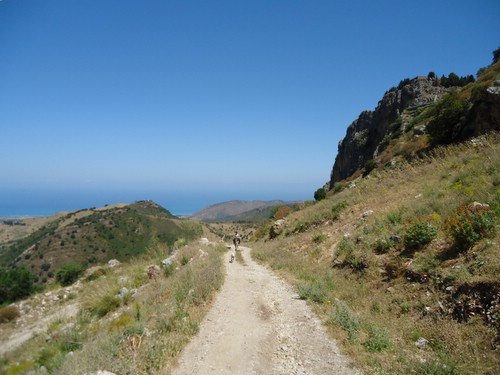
(259, 326)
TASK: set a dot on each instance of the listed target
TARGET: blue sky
(195, 102)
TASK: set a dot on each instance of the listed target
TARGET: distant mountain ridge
(233, 209)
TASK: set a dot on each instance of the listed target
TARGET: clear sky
(195, 102)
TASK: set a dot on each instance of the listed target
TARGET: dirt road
(259, 326)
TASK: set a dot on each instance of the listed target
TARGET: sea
(27, 202)
(46, 202)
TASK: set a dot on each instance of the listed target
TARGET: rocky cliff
(373, 131)
(364, 136)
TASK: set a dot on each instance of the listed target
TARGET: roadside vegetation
(402, 265)
(128, 322)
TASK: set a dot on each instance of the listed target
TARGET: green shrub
(69, 273)
(345, 246)
(300, 227)
(9, 313)
(320, 194)
(337, 208)
(70, 341)
(20, 368)
(184, 260)
(419, 235)
(382, 245)
(378, 339)
(319, 238)
(433, 368)
(313, 291)
(51, 357)
(470, 224)
(395, 217)
(448, 123)
(15, 284)
(343, 316)
(369, 166)
(106, 304)
(338, 187)
(169, 269)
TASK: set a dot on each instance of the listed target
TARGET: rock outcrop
(364, 136)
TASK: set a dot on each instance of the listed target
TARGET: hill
(237, 210)
(418, 113)
(92, 236)
(403, 264)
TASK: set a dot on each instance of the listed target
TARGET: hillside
(402, 265)
(236, 210)
(93, 236)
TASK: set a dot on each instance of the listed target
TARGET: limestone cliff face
(364, 136)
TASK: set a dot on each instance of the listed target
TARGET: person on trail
(236, 240)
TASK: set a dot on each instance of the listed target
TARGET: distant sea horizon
(47, 202)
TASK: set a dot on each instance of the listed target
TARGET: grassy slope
(140, 332)
(97, 235)
(380, 295)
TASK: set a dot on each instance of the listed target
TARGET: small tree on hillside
(69, 273)
(320, 194)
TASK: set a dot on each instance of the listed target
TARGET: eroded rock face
(364, 136)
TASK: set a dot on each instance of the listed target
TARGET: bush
(15, 284)
(369, 166)
(281, 212)
(382, 245)
(470, 224)
(320, 194)
(106, 304)
(337, 208)
(419, 235)
(9, 313)
(378, 340)
(314, 292)
(319, 238)
(347, 320)
(448, 122)
(69, 273)
(338, 187)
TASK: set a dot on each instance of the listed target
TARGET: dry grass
(140, 332)
(377, 295)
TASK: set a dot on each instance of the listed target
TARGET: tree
(69, 273)
(320, 194)
(449, 119)
(15, 284)
(496, 55)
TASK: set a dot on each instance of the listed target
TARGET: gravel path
(259, 326)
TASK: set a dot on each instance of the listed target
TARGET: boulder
(113, 263)
(277, 228)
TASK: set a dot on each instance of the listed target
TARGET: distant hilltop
(238, 210)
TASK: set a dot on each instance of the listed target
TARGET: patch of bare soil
(258, 325)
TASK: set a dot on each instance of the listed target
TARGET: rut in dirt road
(259, 326)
